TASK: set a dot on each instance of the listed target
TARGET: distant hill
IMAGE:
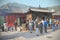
(21, 8)
(15, 7)
(56, 8)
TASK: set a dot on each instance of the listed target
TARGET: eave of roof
(40, 10)
(57, 13)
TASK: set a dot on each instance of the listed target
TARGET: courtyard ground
(16, 35)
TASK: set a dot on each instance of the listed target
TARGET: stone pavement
(30, 36)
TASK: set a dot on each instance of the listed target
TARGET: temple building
(14, 12)
(56, 15)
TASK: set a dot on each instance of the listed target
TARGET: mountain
(56, 8)
(15, 7)
(18, 8)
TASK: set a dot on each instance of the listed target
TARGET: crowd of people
(42, 24)
(39, 25)
(5, 27)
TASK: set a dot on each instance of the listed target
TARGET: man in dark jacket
(15, 25)
(41, 28)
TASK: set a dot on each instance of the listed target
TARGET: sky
(33, 3)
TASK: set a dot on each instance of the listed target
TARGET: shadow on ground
(22, 34)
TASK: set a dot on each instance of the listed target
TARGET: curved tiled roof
(41, 10)
(57, 13)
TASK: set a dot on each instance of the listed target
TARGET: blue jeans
(10, 28)
(45, 29)
(53, 27)
(56, 26)
(30, 27)
(37, 31)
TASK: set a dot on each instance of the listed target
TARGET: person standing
(15, 25)
(37, 27)
(53, 25)
(56, 24)
(10, 27)
(45, 26)
(5, 26)
(59, 25)
(27, 25)
(50, 22)
(47, 22)
(33, 24)
(30, 26)
(41, 27)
